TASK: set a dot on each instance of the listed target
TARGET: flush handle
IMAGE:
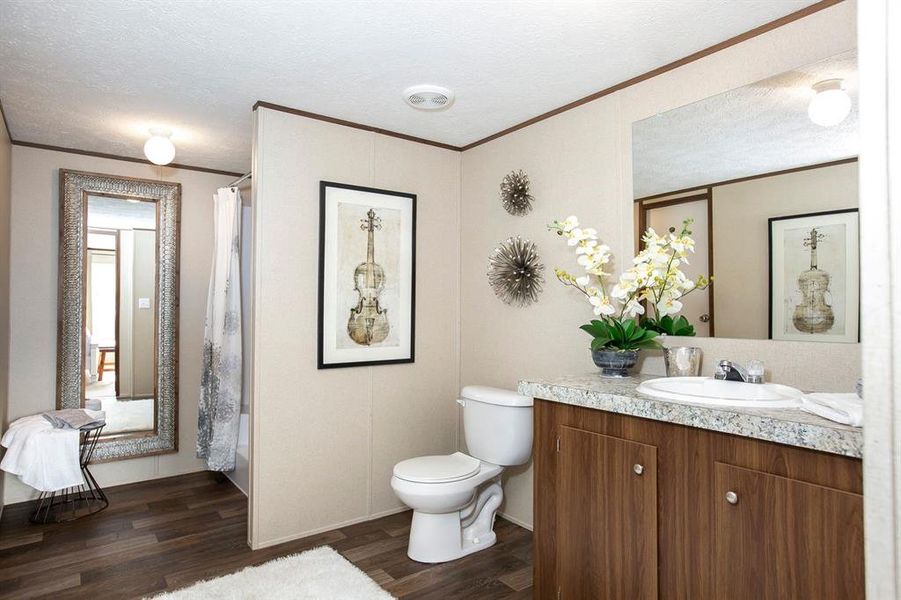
(639, 469)
(731, 497)
(461, 402)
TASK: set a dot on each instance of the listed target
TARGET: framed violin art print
(815, 277)
(367, 276)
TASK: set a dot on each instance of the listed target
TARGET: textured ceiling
(120, 213)
(759, 128)
(96, 74)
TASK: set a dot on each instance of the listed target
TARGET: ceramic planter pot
(614, 363)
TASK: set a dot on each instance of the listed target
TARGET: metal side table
(78, 501)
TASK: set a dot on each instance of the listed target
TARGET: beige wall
(324, 442)
(580, 163)
(34, 222)
(5, 183)
(741, 213)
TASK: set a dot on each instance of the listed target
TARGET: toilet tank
(497, 425)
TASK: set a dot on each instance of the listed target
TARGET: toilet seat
(437, 469)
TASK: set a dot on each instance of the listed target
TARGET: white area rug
(318, 574)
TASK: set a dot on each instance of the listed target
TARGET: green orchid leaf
(599, 342)
(602, 329)
(641, 333)
(619, 332)
(629, 329)
(682, 327)
(648, 335)
(651, 344)
(595, 329)
(589, 329)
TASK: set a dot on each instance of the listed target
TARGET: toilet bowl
(455, 497)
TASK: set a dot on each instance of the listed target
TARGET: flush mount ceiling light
(159, 149)
(428, 97)
(831, 104)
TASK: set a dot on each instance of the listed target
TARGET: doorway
(665, 213)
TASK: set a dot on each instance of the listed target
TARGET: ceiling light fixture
(159, 149)
(428, 97)
(831, 104)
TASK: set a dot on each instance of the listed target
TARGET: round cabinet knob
(638, 469)
(704, 318)
(731, 497)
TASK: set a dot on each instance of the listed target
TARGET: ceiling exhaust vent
(428, 97)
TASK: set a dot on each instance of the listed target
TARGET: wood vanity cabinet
(631, 508)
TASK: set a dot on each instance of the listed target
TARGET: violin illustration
(368, 322)
(813, 314)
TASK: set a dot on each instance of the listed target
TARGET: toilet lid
(437, 469)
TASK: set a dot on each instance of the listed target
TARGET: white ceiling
(758, 128)
(120, 213)
(95, 75)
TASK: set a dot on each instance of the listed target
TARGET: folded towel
(74, 418)
(841, 408)
(43, 457)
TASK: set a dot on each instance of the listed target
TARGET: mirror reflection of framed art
(367, 275)
(815, 277)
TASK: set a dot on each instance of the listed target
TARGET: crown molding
(822, 165)
(123, 158)
(336, 121)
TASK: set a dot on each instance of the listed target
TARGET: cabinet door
(786, 539)
(606, 517)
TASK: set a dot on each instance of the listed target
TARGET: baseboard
(318, 530)
(516, 521)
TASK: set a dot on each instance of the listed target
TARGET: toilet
(455, 497)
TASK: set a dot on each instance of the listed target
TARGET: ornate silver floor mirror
(117, 345)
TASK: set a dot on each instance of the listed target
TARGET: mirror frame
(74, 189)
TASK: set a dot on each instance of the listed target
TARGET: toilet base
(442, 537)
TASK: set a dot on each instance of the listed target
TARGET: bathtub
(241, 475)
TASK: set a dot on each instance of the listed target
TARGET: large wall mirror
(118, 308)
(768, 173)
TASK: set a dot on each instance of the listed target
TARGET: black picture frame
(770, 222)
(324, 187)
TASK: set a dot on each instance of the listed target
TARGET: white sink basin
(714, 392)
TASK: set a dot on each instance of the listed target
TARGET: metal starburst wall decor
(515, 195)
(515, 272)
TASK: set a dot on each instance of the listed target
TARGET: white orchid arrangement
(654, 278)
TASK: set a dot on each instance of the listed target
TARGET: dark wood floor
(166, 534)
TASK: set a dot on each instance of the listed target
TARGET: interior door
(780, 538)
(696, 305)
(606, 517)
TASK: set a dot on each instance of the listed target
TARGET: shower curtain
(220, 384)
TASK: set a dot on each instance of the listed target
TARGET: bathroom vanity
(641, 498)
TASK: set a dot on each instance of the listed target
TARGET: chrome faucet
(727, 370)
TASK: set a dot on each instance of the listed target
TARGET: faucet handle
(721, 369)
(755, 371)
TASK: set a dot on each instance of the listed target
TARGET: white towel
(43, 457)
(841, 408)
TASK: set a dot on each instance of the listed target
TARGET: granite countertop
(792, 427)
